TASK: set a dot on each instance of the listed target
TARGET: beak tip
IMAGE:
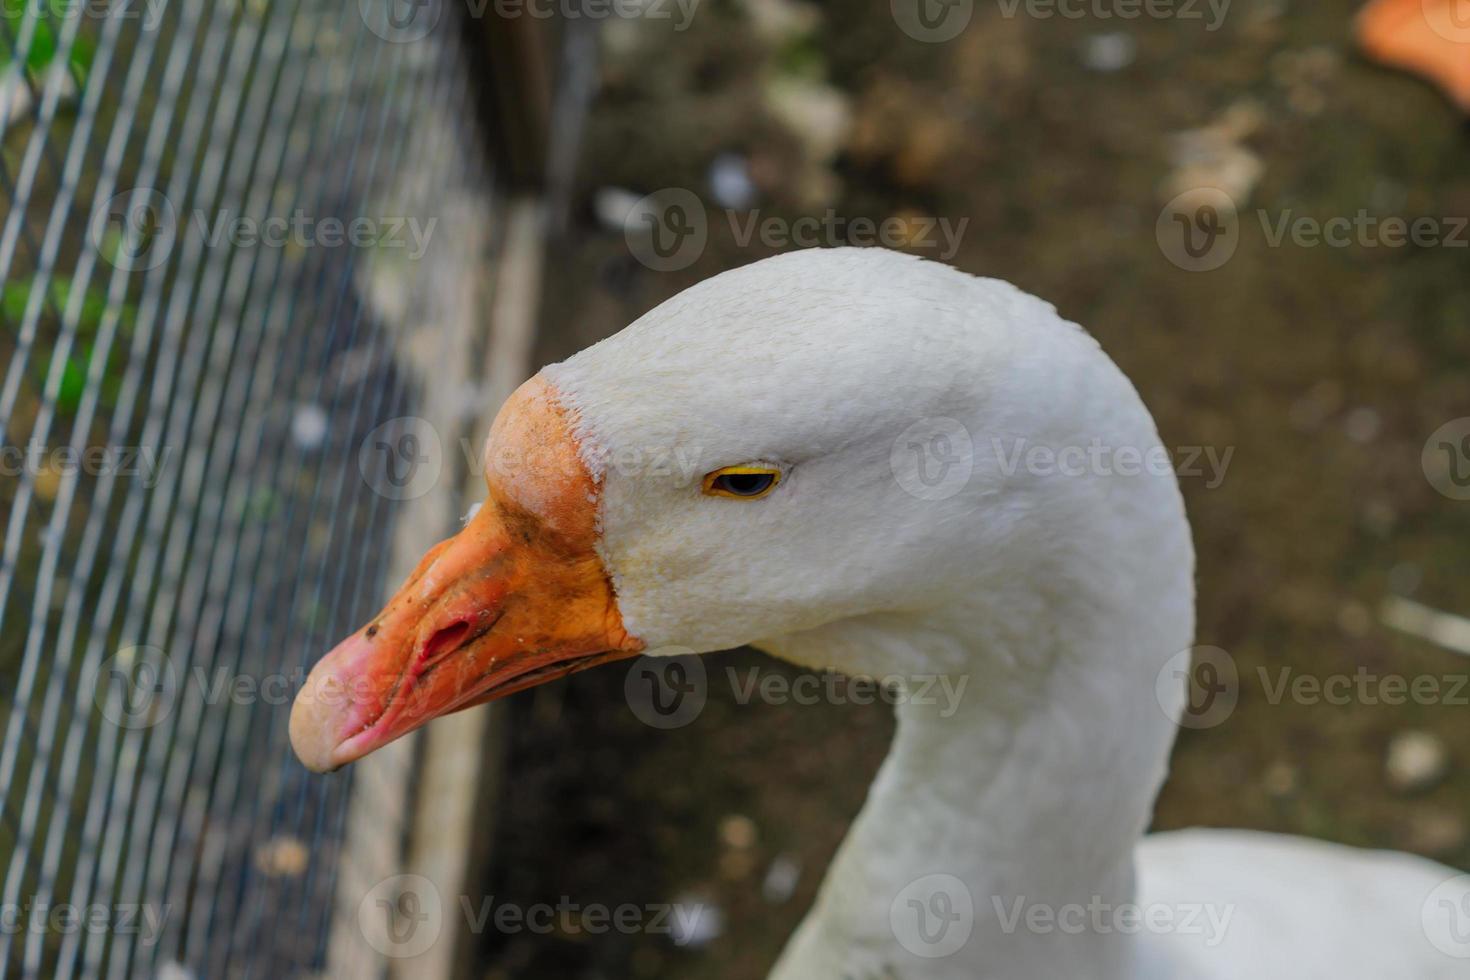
(311, 725)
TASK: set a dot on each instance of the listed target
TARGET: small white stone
(1416, 761)
(729, 182)
(1109, 52)
(309, 426)
(781, 879)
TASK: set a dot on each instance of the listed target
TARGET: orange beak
(514, 600)
(1429, 37)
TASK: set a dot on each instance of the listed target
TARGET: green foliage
(16, 296)
(50, 16)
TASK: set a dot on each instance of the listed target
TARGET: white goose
(1004, 841)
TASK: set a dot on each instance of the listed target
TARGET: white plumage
(1058, 595)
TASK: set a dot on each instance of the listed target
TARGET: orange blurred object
(1428, 37)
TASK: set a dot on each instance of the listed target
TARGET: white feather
(1057, 599)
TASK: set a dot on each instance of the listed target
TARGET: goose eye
(744, 482)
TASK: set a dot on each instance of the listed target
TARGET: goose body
(957, 483)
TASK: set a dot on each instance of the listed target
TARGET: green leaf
(16, 296)
(73, 383)
(45, 39)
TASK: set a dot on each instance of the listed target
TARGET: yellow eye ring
(741, 482)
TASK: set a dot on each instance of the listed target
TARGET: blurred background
(1269, 233)
(1063, 141)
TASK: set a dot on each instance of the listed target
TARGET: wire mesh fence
(228, 229)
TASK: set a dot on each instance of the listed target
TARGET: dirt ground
(1325, 369)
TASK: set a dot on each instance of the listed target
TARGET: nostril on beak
(445, 641)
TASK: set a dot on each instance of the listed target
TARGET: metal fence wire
(227, 224)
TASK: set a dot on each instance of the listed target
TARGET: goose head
(823, 454)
